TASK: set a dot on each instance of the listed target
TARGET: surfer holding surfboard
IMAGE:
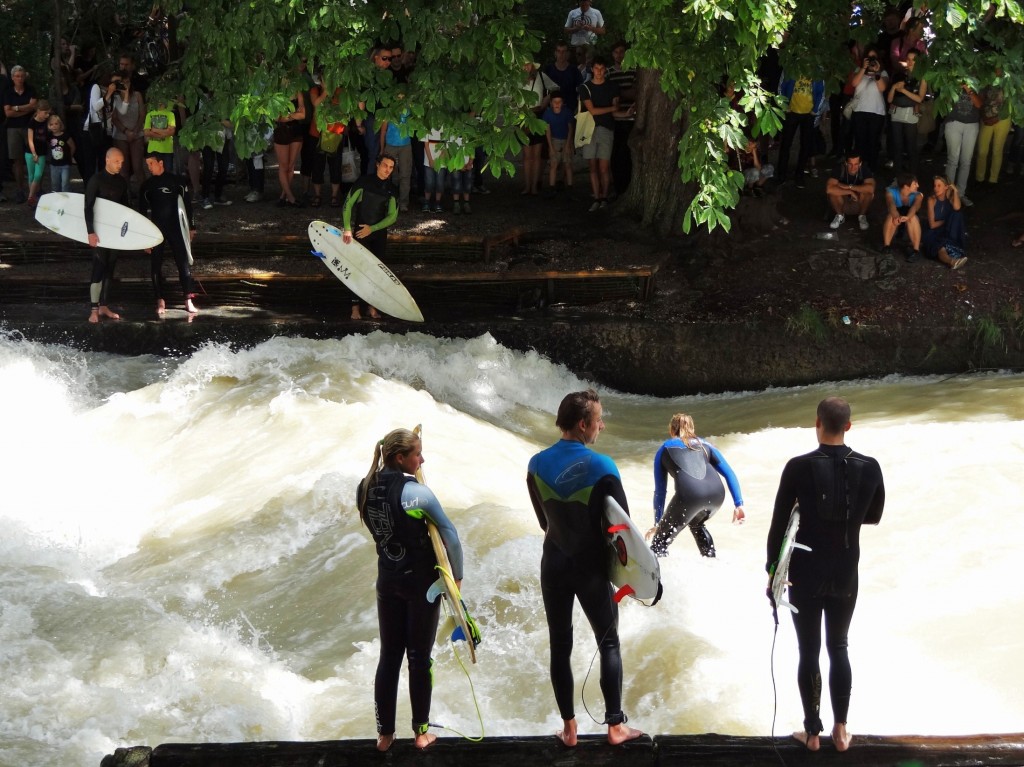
(372, 205)
(838, 490)
(395, 508)
(158, 199)
(568, 485)
(108, 184)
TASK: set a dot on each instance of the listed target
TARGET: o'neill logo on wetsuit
(571, 473)
(124, 228)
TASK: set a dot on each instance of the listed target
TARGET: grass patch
(807, 322)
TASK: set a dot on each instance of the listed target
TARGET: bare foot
(424, 739)
(620, 733)
(105, 312)
(374, 313)
(94, 316)
(355, 313)
(568, 733)
(161, 307)
(812, 742)
(190, 307)
(384, 741)
(841, 739)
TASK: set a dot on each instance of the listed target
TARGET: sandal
(315, 203)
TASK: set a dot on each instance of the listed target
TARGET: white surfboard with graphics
(117, 226)
(183, 220)
(362, 272)
(632, 567)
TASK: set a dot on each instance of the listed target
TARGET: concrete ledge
(660, 751)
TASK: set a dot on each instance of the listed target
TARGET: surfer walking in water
(372, 205)
(158, 199)
(108, 184)
(699, 492)
(568, 484)
(395, 508)
(838, 490)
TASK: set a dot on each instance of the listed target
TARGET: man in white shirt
(584, 24)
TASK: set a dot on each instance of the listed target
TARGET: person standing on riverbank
(107, 184)
(372, 205)
(568, 484)
(158, 199)
(838, 490)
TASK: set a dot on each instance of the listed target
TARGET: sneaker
(480, 189)
(914, 256)
(595, 207)
(958, 262)
(838, 221)
(426, 207)
(253, 196)
(206, 203)
(604, 204)
(887, 250)
(221, 201)
(438, 208)
(862, 221)
(456, 208)
(966, 201)
(466, 209)
(800, 183)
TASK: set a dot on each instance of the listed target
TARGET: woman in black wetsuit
(395, 509)
(699, 492)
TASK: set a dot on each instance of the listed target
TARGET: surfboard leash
(583, 690)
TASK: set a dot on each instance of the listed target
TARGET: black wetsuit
(568, 485)
(158, 199)
(108, 187)
(396, 507)
(838, 490)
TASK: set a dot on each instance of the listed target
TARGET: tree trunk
(657, 197)
(56, 93)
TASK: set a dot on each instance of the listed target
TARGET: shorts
(600, 146)
(17, 142)
(560, 154)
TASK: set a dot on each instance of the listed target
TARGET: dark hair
(575, 407)
(556, 94)
(620, 44)
(599, 60)
(834, 414)
(852, 155)
(905, 179)
(155, 156)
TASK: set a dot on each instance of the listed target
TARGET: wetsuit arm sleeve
(350, 203)
(538, 509)
(610, 485)
(420, 502)
(144, 200)
(874, 513)
(90, 201)
(389, 219)
(784, 500)
(722, 467)
(660, 485)
(186, 196)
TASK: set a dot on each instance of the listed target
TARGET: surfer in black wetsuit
(568, 485)
(395, 508)
(838, 490)
(372, 205)
(699, 493)
(108, 184)
(158, 199)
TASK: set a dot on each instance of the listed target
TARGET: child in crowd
(61, 151)
(434, 172)
(35, 157)
(559, 137)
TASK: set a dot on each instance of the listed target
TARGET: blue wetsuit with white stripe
(568, 485)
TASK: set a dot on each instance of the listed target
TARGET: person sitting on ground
(903, 201)
(944, 238)
(748, 162)
(851, 187)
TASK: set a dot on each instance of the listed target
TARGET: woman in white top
(870, 84)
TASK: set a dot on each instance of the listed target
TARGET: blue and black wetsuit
(838, 491)
(699, 492)
(568, 485)
(397, 508)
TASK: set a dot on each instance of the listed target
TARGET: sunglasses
(385, 58)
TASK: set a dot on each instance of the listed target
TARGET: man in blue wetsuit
(838, 491)
(568, 485)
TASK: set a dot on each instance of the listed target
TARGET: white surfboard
(183, 220)
(780, 576)
(362, 272)
(117, 226)
(632, 567)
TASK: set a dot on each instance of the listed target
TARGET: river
(182, 561)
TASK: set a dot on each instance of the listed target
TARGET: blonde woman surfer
(395, 508)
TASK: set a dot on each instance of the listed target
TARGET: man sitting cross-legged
(851, 189)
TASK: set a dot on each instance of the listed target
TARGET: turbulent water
(181, 559)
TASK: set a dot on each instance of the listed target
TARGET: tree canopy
(241, 59)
